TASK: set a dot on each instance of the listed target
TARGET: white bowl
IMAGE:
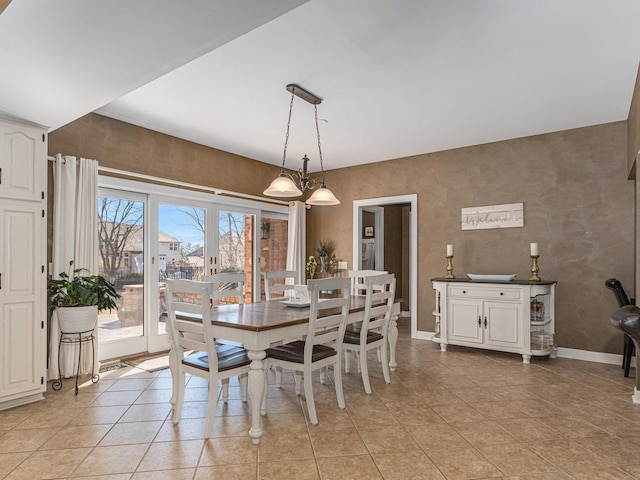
(492, 278)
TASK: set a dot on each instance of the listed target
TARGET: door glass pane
(181, 248)
(121, 261)
(235, 247)
(273, 246)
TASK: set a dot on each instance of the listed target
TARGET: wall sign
(493, 216)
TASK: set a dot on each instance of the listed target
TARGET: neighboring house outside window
(131, 250)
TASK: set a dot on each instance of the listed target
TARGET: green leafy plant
(75, 290)
(311, 266)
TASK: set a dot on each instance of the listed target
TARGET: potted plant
(322, 252)
(311, 266)
(92, 293)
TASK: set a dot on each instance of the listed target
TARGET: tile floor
(464, 414)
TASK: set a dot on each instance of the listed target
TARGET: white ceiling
(397, 77)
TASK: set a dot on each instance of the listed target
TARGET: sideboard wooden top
(511, 282)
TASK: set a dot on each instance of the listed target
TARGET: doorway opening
(385, 236)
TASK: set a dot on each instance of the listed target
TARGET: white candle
(449, 250)
(534, 249)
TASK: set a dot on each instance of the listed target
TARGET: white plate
(492, 278)
(289, 303)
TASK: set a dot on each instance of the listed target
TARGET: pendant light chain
(315, 110)
(286, 138)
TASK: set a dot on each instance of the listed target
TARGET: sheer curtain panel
(296, 245)
(75, 237)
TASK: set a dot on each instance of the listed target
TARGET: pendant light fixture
(284, 185)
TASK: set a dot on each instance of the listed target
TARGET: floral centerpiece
(323, 252)
(311, 266)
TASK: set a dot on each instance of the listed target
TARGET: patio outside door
(235, 247)
(179, 252)
(146, 239)
(121, 258)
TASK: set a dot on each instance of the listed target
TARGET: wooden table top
(267, 315)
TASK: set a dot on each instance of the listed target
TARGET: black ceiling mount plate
(304, 94)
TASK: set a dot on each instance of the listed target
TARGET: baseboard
(421, 335)
(586, 355)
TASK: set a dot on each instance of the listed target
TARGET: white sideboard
(495, 316)
(23, 228)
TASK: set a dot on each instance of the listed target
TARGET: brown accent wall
(578, 206)
(126, 147)
(134, 149)
(394, 247)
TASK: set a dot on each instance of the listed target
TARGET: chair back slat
(358, 278)
(380, 295)
(187, 335)
(227, 285)
(279, 281)
(327, 303)
(187, 308)
(326, 326)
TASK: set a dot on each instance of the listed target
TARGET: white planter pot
(77, 319)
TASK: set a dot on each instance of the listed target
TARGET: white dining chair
(194, 351)
(358, 277)
(322, 346)
(277, 282)
(372, 332)
(227, 285)
(230, 287)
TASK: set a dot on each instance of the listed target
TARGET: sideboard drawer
(493, 293)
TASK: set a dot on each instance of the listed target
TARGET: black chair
(615, 285)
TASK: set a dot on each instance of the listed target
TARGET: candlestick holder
(534, 269)
(449, 267)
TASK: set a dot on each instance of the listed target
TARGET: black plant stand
(70, 338)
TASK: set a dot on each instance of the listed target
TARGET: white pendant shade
(322, 196)
(283, 186)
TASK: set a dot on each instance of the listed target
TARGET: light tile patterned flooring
(463, 414)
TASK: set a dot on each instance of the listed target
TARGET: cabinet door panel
(19, 250)
(22, 149)
(21, 297)
(463, 325)
(503, 326)
(19, 372)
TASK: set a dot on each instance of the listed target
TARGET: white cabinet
(495, 316)
(23, 149)
(22, 258)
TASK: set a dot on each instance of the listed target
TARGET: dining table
(259, 325)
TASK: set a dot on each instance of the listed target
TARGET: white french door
(147, 238)
(235, 246)
(122, 254)
(178, 250)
